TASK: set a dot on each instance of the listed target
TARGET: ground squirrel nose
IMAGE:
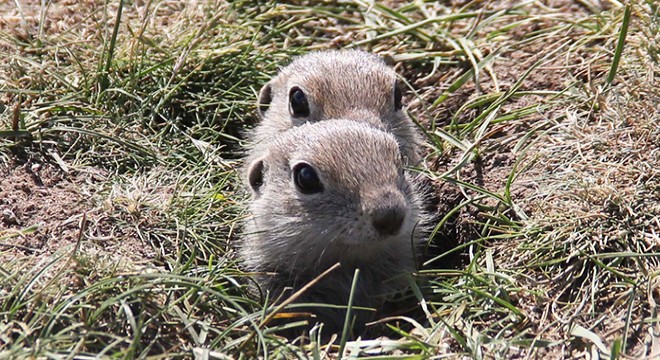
(388, 216)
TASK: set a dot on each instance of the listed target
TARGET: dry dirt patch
(41, 209)
(44, 210)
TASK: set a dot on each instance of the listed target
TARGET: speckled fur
(297, 236)
(339, 84)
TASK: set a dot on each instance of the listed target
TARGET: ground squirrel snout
(390, 212)
(339, 84)
(328, 192)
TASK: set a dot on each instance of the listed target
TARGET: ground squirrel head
(339, 84)
(328, 192)
(342, 84)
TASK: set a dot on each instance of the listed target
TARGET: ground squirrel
(337, 84)
(328, 192)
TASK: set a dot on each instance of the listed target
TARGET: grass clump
(542, 149)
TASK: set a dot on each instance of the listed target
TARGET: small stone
(8, 217)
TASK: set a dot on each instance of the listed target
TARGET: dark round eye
(397, 98)
(298, 105)
(306, 179)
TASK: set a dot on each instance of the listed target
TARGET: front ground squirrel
(327, 192)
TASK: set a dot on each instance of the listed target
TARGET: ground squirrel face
(349, 84)
(342, 84)
(327, 192)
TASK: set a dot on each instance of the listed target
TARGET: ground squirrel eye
(298, 105)
(397, 98)
(306, 179)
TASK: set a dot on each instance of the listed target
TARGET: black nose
(387, 220)
(387, 217)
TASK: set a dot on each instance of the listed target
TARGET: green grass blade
(348, 320)
(620, 44)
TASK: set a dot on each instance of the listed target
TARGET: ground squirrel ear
(256, 175)
(398, 101)
(265, 98)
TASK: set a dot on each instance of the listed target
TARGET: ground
(122, 126)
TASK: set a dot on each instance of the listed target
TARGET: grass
(542, 145)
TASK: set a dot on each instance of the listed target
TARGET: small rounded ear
(265, 98)
(256, 175)
(398, 97)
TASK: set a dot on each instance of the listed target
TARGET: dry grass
(542, 147)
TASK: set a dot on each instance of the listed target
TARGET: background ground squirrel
(328, 192)
(338, 84)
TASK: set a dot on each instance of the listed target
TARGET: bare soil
(41, 198)
(44, 209)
